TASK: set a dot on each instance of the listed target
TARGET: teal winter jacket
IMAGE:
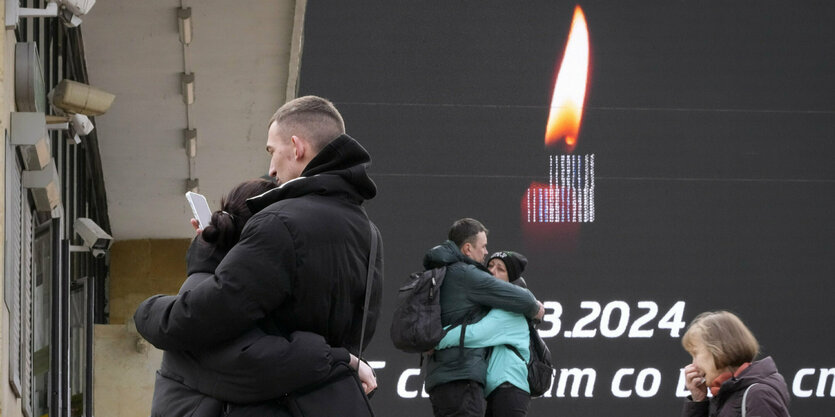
(499, 329)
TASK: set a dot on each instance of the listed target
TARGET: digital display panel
(673, 158)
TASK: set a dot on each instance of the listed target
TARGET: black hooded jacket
(301, 264)
(768, 398)
(251, 368)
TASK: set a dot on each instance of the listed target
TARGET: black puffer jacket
(768, 398)
(300, 264)
(251, 368)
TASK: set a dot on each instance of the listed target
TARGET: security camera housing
(78, 7)
(75, 97)
(81, 124)
(69, 19)
(69, 11)
(94, 237)
(72, 10)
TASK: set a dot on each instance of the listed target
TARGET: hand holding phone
(200, 209)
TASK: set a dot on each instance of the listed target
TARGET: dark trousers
(463, 398)
(508, 401)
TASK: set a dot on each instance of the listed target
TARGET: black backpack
(416, 325)
(540, 367)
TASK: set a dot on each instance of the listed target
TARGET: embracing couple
(491, 305)
(284, 286)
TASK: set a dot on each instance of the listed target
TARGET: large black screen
(701, 177)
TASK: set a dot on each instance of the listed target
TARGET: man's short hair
(725, 337)
(465, 231)
(314, 118)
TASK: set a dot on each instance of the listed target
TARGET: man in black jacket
(301, 262)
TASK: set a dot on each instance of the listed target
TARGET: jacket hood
(339, 168)
(447, 253)
(763, 371)
(203, 256)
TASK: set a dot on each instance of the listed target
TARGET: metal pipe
(55, 376)
(66, 394)
(88, 377)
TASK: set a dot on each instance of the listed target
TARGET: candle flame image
(552, 211)
(570, 88)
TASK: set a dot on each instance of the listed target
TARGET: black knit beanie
(514, 263)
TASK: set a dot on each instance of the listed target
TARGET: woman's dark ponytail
(223, 231)
(228, 222)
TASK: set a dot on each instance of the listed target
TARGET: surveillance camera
(95, 238)
(69, 19)
(69, 11)
(81, 124)
(77, 7)
(72, 10)
(75, 97)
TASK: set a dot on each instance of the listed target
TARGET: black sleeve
(695, 408)
(252, 280)
(203, 256)
(259, 367)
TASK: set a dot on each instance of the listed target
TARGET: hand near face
(694, 380)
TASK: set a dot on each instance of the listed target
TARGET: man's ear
(466, 248)
(299, 146)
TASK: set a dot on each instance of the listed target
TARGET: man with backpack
(455, 377)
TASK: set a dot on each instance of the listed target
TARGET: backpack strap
(516, 351)
(745, 397)
(372, 257)
(467, 320)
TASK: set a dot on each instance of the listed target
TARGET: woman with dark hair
(261, 365)
(723, 351)
(506, 385)
(225, 228)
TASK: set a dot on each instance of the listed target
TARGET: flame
(570, 88)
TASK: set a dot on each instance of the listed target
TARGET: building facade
(54, 281)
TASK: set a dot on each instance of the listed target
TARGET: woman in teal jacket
(506, 385)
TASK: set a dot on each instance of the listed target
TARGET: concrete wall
(124, 372)
(124, 364)
(240, 56)
(142, 268)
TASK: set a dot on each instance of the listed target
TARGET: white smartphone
(200, 208)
